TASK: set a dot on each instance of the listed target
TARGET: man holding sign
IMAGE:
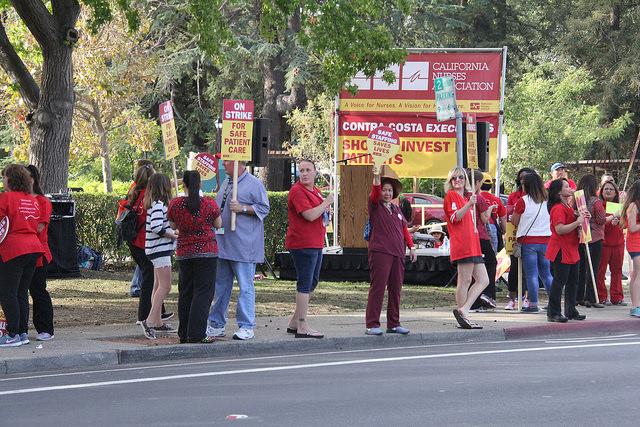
(238, 251)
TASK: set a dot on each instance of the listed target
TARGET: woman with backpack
(136, 242)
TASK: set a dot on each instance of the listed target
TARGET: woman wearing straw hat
(389, 235)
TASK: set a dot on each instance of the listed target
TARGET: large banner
(408, 106)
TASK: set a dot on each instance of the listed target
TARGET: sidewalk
(101, 346)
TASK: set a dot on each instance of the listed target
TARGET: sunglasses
(453, 178)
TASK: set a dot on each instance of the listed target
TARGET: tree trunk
(107, 179)
(273, 173)
(50, 128)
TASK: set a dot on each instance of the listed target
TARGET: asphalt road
(586, 381)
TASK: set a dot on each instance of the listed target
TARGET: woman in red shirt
(137, 247)
(612, 248)
(465, 250)
(389, 235)
(42, 306)
(562, 251)
(631, 219)
(19, 252)
(196, 218)
(306, 211)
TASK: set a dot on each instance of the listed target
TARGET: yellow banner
(170, 140)
(414, 105)
(431, 157)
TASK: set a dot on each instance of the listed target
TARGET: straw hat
(388, 176)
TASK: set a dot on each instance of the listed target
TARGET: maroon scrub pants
(386, 271)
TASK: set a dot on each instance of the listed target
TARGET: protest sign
(614, 208)
(237, 129)
(206, 164)
(382, 144)
(472, 144)
(581, 205)
(510, 238)
(169, 136)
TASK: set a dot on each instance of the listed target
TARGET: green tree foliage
(311, 132)
(550, 118)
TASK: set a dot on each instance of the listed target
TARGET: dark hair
(406, 209)
(532, 185)
(554, 193)
(35, 175)
(616, 199)
(528, 171)
(142, 178)
(17, 177)
(633, 196)
(158, 189)
(144, 162)
(486, 187)
(191, 180)
(477, 176)
(589, 184)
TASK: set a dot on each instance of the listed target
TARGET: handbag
(516, 250)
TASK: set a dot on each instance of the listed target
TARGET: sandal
(462, 320)
(310, 334)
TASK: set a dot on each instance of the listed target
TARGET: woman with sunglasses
(465, 252)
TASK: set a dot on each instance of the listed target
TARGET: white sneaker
(243, 334)
(44, 336)
(511, 305)
(214, 332)
(525, 303)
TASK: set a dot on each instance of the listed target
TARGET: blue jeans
(308, 263)
(246, 307)
(535, 265)
(135, 282)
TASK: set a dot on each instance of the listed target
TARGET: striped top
(156, 244)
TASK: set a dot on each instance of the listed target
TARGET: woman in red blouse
(19, 252)
(612, 248)
(562, 251)
(631, 219)
(42, 306)
(387, 241)
(465, 252)
(196, 218)
(586, 290)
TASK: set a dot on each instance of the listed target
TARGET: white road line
(590, 339)
(308, 366)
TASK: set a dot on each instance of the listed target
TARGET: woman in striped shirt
(159, 246)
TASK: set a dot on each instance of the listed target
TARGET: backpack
(127, 225)
(367, 229)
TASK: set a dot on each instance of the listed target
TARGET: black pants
(490, 263)
(585, 284)
(146, 286)
(564, 276)
(15, 277)
(42, 306)
(197, 278)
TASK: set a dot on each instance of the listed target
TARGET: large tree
(51, 99)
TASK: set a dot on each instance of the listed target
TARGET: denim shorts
(160, 262)
(308, 263)
(634, 254)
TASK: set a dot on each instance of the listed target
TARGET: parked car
(427, 208)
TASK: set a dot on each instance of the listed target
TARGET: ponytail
(191, 180)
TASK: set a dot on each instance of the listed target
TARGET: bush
(96, 213)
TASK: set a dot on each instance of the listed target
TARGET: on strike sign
(237, 129)
(169, 137)
(207, 165)
(383, 143)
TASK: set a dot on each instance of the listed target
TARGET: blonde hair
(457, 171)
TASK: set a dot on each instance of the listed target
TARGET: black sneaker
(166, 316)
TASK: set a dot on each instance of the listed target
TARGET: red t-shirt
(519, 209)
(462, 235)
(633, 239)
(567, 243)
(141, 238)
(481, 206)
(572, 184)
(24, 215)
(45, 218)
(613, 235)
(303, 234)
(196, 233)
(500, 210)
(513, 200)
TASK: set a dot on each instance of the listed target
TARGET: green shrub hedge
(96, 213)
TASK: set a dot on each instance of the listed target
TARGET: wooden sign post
(585, 237)
(237, 135)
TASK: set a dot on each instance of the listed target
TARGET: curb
(54, 363)
(581, 328)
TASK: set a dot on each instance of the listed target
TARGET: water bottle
(445, 245)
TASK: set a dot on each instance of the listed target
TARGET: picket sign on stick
(585, 236)
(472, 158)
(237, 135)
(169, 138)
(382, 143)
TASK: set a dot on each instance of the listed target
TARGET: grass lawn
(100, 298)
